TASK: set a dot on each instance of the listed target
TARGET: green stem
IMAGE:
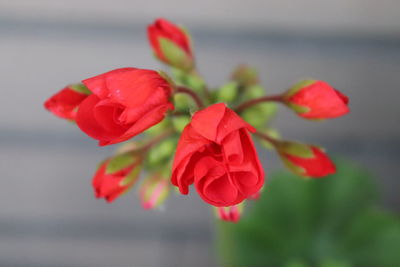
(255, 101)
(267, 138)
(193, 95)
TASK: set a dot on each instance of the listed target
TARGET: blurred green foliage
(329, 222)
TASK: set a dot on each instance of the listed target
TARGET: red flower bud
(64, 104)
(124, 103)
(170, 44)
(230, 214)
(154, 191)
(305, 160)
(116, 176)
(216, 153)
(317, 100)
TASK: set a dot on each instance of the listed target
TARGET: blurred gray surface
(48, 214)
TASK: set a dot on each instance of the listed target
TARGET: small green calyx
(132, 177)
(297, 108)
(119, 162)
(80, 88)
(295, 149)
(298, 86)
(293, 168)
(175, 55)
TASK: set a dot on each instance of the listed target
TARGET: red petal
(318, 166)
(64, 103)
(97, 84)
(322, 100)
(87, 122)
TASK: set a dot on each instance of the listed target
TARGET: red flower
(124, 103)
(317, 100)
(170, 44)
(216, 153)
(230, 214)
(110, 183)
(305, 160)
(64, 104)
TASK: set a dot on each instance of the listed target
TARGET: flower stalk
(255, 101)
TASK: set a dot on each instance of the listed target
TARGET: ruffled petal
(97, 84)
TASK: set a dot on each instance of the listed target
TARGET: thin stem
(193, 95)
(255, 101)
(267, 138)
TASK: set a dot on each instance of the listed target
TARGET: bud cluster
(191, 134)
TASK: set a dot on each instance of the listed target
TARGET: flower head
(216, 153)
(124, 103)
(116, 176)
(305, 160)
(171, 44)
(316, 100)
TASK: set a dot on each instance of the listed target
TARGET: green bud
(254, 91)
(245, 75)
(183, 102)
(195, 82)
(260, 114)
(228, 92)
(180, 122)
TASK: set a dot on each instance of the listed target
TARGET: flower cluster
(191, 135)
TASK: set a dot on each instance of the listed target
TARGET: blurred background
(48, 214)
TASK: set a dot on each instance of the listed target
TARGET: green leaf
(175, 55)
(314, 222)
(80, 88)
(119, 162)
